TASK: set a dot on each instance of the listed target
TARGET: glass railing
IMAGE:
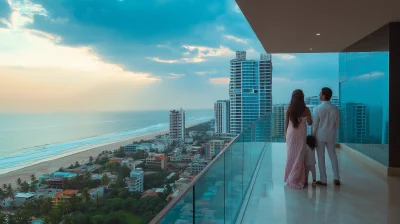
(217, 193)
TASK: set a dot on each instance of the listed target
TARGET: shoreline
(55, 164)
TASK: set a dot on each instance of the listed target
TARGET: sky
(90, 55)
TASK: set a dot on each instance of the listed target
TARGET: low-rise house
(67, 175)
(210, 133)
(194, 133)
(8, 201)
(97, 176)
(96, 193)
(170, 176)
(55, 183)
(21, 198)
(92, 168)
(47, 193)
(37, 221)
(152, 193)
(196, 167)
(63, 196)
(159, 146)
(188, 140)
(157, 160)
(115, 160)
(182, 183)
(175, 158)
(131, 148)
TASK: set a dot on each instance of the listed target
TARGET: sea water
(27, 139)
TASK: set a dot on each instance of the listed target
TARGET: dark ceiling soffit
(376, 41)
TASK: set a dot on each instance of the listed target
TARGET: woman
(296, 134)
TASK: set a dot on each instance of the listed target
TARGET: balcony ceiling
(291, 26)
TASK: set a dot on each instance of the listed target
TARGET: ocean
(27, 139)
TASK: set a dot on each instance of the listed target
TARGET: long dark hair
(297, 107)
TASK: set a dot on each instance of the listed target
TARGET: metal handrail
(178, 198)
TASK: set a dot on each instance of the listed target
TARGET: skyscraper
(177, 125)
(222, 116)
(278, 122)
(353, 127)
(311, 107)
(250, 91)
(386, 133)
(314, 100)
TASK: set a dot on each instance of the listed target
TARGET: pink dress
(296, 149)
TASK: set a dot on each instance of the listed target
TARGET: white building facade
(222, 116)
(177, 125)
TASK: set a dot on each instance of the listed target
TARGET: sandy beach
(54, 165)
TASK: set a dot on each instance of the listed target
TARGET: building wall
(278, 122)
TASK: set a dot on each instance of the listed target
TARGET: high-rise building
(311, 107)
(250, 92)
(353, 125)
(222, 116)
(386, 133)
(278, 122)
(314, 100)
(177, 125)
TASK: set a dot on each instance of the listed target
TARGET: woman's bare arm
(309, 119)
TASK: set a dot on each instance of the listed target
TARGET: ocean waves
(34, 155)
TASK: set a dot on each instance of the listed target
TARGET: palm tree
(33, 177)
(105, 180)
(19, 181)
(85, 194)
(4, 186)
(9, 189)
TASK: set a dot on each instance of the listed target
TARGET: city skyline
(60, 56)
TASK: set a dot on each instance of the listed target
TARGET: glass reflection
(364, 100)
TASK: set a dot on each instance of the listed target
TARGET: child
(310, 159)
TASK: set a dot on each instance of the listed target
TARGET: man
(326, 120)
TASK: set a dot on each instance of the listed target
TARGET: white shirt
(326, 120)
(310, 156)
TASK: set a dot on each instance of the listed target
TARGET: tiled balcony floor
(364, 196)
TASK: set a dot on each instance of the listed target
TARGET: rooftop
(24, 195)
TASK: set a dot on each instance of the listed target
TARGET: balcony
(244, 184)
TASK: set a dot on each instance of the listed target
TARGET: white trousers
(330, 146)
(311, 168)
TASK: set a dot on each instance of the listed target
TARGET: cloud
(219, 81)
(193, 60)
(237, 39)
(162, 60)
(203, 51)
(201, 73)
(174, 75)
(200, 54)
(284, 56)
(369, 75)
(23, 13)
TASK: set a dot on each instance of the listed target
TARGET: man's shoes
(336, 182)
(321, 183)
(314, 183)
